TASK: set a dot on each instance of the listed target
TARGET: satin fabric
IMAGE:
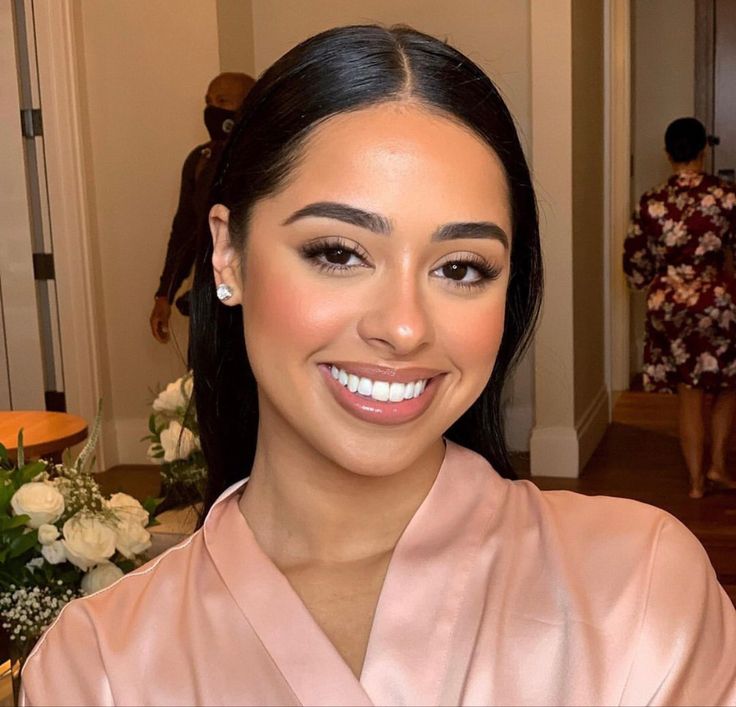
(497, 593)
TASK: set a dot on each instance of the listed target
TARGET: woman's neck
(692, 166)
(304, 508)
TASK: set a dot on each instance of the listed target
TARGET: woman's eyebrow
(471, 229)
(342, 212)
(381, 225)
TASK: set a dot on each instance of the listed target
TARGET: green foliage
(151, 504)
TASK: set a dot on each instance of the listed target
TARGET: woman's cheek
(304, 315)
(472, 337)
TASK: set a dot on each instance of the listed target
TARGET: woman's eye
(339, 256)
(458, 271)
(334, 256)
(467, 273)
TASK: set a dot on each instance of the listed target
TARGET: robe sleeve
(640, 259)
(66, 666)
(686, 648)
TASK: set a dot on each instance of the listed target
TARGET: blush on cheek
(291, 316)
(477, 336)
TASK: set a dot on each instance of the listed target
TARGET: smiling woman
(373, 272)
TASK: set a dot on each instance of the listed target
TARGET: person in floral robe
(679, 249)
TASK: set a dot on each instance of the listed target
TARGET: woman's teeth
(379, 390)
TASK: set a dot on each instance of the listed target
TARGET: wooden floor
(638, 458)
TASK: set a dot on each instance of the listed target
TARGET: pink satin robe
(497, 593)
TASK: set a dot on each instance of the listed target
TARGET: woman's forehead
(397, 155)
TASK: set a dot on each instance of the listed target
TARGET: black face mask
(219, 122)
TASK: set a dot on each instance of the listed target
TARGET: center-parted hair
(346, 69)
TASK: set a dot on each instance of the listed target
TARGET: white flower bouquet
(174, 443)
(60, 538)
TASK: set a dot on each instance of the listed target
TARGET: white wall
(144, 69)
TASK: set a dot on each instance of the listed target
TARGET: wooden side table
(45, 434)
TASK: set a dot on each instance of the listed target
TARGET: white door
(31, 372)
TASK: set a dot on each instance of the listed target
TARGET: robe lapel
(428, 613)
(307, 660)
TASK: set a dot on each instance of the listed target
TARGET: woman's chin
(385, 458)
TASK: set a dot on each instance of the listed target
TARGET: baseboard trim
(563, 451)
(554, 451)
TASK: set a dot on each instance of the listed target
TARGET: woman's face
(373, 287)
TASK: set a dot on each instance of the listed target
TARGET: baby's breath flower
(27, 611)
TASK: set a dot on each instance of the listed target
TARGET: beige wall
(664, 71)
(235, 35)
(494, 33)
(663, 50)
(567, 155)
(142, 115)
(588, 204)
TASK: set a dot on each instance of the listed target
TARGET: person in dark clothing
(225, 95)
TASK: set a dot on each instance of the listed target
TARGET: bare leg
(724, 406)
(692, 436)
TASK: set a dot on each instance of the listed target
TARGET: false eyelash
(488, 272)
(313, 249)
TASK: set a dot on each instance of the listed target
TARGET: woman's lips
(384, 373)
(383, 412)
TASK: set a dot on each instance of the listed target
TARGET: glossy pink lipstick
(357, 399)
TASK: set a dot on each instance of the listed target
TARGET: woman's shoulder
(604, 536)
(590, 517)
(152, 589)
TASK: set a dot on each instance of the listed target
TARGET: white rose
(40, 501)
(131, 538)
(88, 541)
(127, 506)
(170, 398)
(54, 553)
(47, 534)
(101, 576)
(178, 442)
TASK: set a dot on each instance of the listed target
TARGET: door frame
(58, 42)
(617, 181)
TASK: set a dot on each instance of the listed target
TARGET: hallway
(639, 458)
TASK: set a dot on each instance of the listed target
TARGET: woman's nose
(397, 319)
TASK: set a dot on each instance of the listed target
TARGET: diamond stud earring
(224, 292)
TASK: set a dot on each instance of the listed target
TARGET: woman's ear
(225, 261)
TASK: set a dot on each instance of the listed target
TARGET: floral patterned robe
(676, 247)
